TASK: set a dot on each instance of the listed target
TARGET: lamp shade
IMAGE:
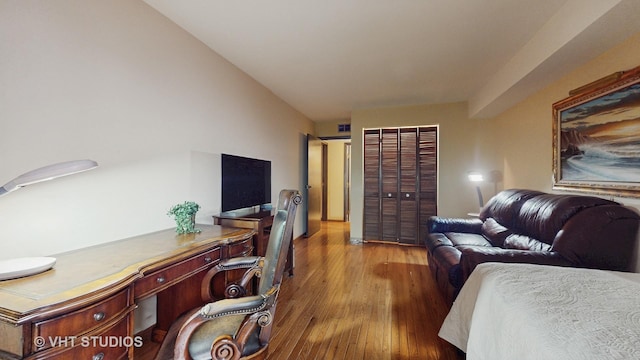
(475, 177)
(15, 268)
(47, 173)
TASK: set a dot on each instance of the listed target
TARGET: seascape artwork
(600, 138)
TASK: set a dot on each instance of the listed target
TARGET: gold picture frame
(596, 137)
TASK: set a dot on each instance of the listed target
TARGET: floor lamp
(477, 178)
(19, 267)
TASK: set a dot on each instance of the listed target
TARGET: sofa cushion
(495, 232)
(437, 239)
(437, 224)
(524, 242)
(457, 239)
(447, 260)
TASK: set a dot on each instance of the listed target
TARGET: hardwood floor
(371, 301)
(347, 302)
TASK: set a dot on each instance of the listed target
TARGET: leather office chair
(239, 326)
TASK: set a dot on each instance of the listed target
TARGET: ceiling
(328, 57)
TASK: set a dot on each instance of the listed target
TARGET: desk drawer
(111, 344)
(163, 278)
(84, 320)
(241, 248)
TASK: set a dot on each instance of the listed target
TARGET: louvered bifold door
(400, 179)
(371, 177)
(389, 175)
(408, 214)
(428, 157)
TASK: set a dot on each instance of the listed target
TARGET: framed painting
(596, 137)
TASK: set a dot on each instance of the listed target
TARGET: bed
(525, 311)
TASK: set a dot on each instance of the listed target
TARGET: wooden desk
(82, 308)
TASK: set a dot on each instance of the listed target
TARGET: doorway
(328, 169)
(338, 179)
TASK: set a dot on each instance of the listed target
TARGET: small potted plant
(185, 216)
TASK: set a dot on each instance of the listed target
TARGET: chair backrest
(279, 239)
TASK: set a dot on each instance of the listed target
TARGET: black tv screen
(246, 182)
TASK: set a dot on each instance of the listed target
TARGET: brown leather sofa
(528, 226)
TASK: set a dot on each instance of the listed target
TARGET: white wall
(116, 82)
(520, 137)
(456, 154)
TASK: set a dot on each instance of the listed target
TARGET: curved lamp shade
(47, 173)
(15, 268)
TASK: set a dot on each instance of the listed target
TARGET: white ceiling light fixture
(26, 266)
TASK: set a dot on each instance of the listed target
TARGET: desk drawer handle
(98, 356)
(160, 279)
(207, 259)
(99, 316)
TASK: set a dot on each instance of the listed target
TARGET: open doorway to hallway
(338, 179)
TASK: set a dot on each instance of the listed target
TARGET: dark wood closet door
(428, 157)
(371, 179)
(389, 172)
(400, 173)
(408, 214)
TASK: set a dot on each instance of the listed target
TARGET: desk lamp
(19, 267)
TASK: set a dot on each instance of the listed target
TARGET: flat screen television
(246, 182)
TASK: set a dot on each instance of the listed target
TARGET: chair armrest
(436, 224)
(253, 264)
(243, 305)
(471, 256)
(258, 306)
(242, 262)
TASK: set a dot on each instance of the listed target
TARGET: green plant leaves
(185, 215)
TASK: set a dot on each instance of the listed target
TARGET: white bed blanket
(524, 311)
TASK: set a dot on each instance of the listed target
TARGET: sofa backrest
(588, 231)
(600, 237)
(504, 208)
(543, 216)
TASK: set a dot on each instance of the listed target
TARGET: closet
(400, 183)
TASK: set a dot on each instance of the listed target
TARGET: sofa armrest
(436, 224)
(471, 256)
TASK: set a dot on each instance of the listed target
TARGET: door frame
(325, 179)
(347, 182)
(347, 175)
